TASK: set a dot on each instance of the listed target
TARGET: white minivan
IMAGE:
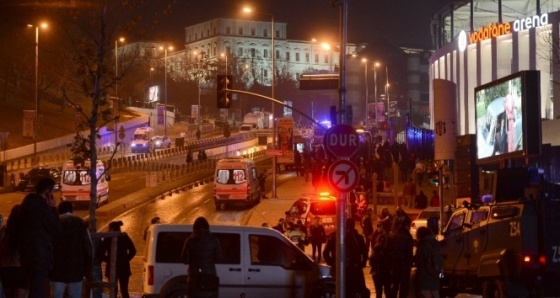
(258, 262)
(235, 181)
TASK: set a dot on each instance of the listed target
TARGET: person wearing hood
(125, 252)
(201, 251)
(72, 254)
(428, 263)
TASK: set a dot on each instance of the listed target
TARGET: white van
(235, 181)
(75, 182)
(258, 262)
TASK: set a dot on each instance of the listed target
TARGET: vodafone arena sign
(342, 140)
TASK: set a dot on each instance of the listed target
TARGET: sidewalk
(292, 188)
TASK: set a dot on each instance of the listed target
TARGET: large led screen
(508, 117)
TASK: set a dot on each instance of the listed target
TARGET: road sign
(122, 134)
(342, 140)
(343, 175)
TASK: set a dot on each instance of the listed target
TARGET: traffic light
(224, 97)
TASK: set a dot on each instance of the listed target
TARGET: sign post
(343, 142)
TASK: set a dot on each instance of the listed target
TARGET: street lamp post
(36, 116)
(272, 57)
(116, 102)
(387, 92)
(199, 116)
(365, 61)
(165, 86)
(375, 65)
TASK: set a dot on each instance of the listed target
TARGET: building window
(240, 31)
(214, 31)
(277, 54)
(297, 57)
(277, 34)
(326, 59)
(307, 57)
(253, 32)
(252, 52)
(228, 30)
(214, 51)
(287, 56)
(316, 58)
(265, 53)
(266, 73)
(265, 33)
(240, 52)
(228, 49)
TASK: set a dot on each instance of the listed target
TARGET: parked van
(258, 262)
(75, 183)
(236, 182)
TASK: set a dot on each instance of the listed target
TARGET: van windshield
(140, 137)
(76, 177)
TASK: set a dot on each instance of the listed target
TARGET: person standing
(421, 201)
(318, 236)
(356, 259)
(12, 276)
(434, 200)
(156, 220)
(262, 182)
(386, 220)
(72, 254)
(400, 247)
(297, 162)
(367, 227)
(125, 252)
(38, 224)
(409, 193)
(280, 226)
(296, 235)
(380, 266)
(428, 263)
(307, 162)
(201, 251)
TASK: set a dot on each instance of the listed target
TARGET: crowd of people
(387, 248)
(45, 247)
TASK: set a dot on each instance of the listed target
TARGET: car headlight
(158, 143)
(133, 145)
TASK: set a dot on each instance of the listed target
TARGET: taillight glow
(150, 276)
(542, 260)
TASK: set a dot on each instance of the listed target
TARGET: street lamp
(272, 57)
(36, 118)
(116, 101)
(365, 61)
(199, 116)
(375, 65)
(165, 49)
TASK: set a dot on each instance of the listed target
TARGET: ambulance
(235, 181)
(75, 184)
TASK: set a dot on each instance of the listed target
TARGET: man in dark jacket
(356, 259)
(72, 254)
(125, 252)
(400, 254)
(428, 263)
(39, 223)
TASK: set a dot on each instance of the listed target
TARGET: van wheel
(326, 291)
(175, 290)
(494, 288)
(223, 206)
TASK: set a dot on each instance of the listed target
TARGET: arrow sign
(343, 175)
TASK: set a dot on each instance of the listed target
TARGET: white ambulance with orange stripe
(75, 184)
(235, 181)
